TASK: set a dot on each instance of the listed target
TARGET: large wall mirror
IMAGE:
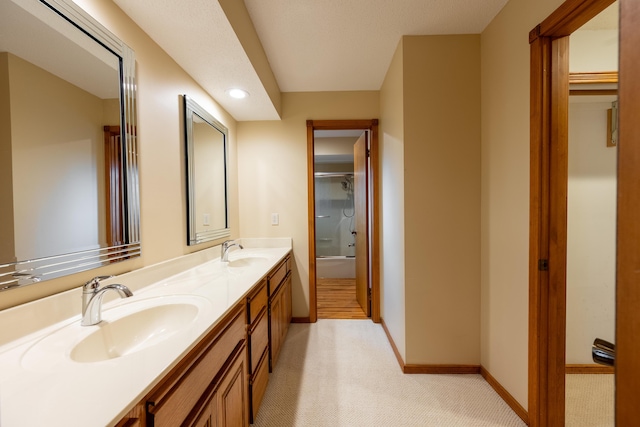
(206, 155)
(68, 155)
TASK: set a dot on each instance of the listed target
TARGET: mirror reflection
(206, 140)
(68, 169)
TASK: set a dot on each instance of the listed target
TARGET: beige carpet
(589, 400)
(344, 373)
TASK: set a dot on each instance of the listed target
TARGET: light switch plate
(275, 219)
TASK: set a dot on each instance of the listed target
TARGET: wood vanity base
(222, 381)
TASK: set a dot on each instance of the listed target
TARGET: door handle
(603, 352)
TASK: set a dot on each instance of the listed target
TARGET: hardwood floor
(336, 299)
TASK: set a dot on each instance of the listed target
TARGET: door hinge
(543, 265)
(368, 153)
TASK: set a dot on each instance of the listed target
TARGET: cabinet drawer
(257, 302)
(170, 405)
(276, 276)
(259, 340)
(258, 386)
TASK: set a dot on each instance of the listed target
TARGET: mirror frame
(193, 236)
(25, 272)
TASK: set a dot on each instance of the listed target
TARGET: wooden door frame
(548, 207)
(374, 183)
(627, 381)
(113, 185)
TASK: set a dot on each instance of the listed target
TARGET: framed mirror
(68, 154)
(206, 161)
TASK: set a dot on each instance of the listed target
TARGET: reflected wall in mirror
(68, 156)
(206, 156)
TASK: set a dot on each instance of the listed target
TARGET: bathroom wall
(209, 194)
(442, 198)
(430, 130)
(160, 81)
(61, 177)
(334, 145)
(272, 172)
(505, 85)
(6, 174)
(392, 202)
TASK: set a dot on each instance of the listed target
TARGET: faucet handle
(93, 284)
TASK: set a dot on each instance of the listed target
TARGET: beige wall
(442, 198)
(58, 165)
(208, 170)
(593, 50)
(272, 171)
(334, 145)
(162, 176)
(6, 175)
(505, 192)
(591, 228)
(392, 237)
(430, 151)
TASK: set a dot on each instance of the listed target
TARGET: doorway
(343, 254)
(548, 217)
(591, 237)
(337, 220)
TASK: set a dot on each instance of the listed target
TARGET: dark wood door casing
(548, 207)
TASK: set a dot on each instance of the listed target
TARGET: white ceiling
(198, 36)
(311, 45)
(340, 45)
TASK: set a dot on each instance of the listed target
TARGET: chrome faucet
(92, 299)
(224, 255)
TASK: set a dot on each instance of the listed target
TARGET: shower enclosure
(335, 225)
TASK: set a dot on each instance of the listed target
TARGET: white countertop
(40, 385)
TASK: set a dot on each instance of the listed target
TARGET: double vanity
(193, 346)
(193, 339)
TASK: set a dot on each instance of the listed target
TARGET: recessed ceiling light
(237, 93)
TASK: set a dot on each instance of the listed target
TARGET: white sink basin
(134, 332)
(248, 261)
(125, 330)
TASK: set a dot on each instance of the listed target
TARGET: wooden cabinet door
(287, 312)
(231, 397)
(207, 417)
(280, 319)
(174, 400)
(258, 386)
(275, 328)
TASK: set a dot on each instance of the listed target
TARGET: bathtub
(336, 267)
